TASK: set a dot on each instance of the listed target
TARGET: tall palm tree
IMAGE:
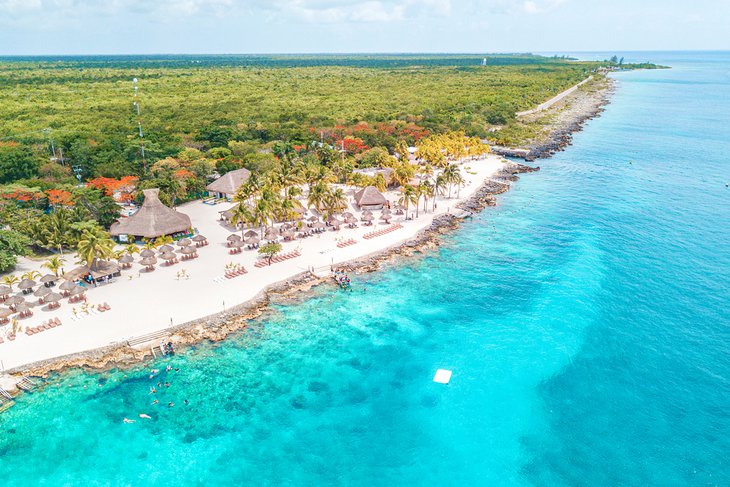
(335, 201)
(10, 281)
(54, 264)
(317, 195)
(427, 190)
(93, 247)
(451, 175)
(439, 188)
(408, 197)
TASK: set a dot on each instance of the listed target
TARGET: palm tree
(451, 176)
(163, 240)
(10, 281)
(408, 197)
(427, 190)
(439, 188)
(317, 195)
(335, 201)
(93, 247)
(131, 249)
(54, 264)
(31, 275)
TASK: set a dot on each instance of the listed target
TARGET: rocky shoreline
(569, 117)
(581, 107)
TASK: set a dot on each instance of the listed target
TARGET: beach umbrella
(332, 218)
(336, 223)
(42, 291)
(251, 233)
(149, 261)
(199, 238)
(77, 290)
(26, 284)
(347, 215)
(188, 250)
(386, 217)
(49, 278)
(5, 312)
(313, 219)
(233, 237)
(126, 259)
(271, 234)
(22, 308)
(52, 298)
(253, 240)
(319, 225)
(168, 256)
(184, 242)
(147, 253)
(5, 290)
(288, 233)
(67, 285)
(367, 217)
(166, 248)
(14, 300)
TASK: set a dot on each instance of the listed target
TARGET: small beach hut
(319, 226)
(14, 301)
(227, 185)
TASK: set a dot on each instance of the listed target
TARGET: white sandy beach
(143, 303)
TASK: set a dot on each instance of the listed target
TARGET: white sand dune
(143, 303)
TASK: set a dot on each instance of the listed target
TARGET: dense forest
(70, 134)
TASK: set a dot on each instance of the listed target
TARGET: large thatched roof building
(152, 220)
(227, 185)
(369, 198)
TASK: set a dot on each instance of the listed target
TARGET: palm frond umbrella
(199, 240)
(26, 285)
(14, 300)
(149, 261)
(5, 290)
(147, 253)
(184, 242)
(319, 226)
(368, 217)
(49, 278)
(5, 312)
(313, 219)
(126, 260)
(251, 233)
(336, 223)
(67, 285)
(166, 248)
(233, 237)
(22, 309)
(351, 220)
(188, 250)
(271, 234)
(285, 227)
(288, 233)
(347, 215)
(41, 291)
(253, 240)
(386, 217)
(332, 218)
(168, 256)
(53, 297)
(79, 290)
(237, 244)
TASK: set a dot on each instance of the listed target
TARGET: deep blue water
(585, 319)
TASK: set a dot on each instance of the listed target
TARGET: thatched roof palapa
(49, 278)
(42, 291)
(149, 261)
(126, 259)
(67, 285)
(369, 197)
(199, 238)
(5, 290)
(53, 298)
(26, 284)
(188, 250)
(98, 269)
(5, 312)
(13, 300)
(230, 182)
(166, 248)
(152, 220)
(233, 237)
(147, 253)
(251, 233)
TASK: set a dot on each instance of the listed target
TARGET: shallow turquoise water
(585, 319)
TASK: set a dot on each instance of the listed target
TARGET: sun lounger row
(346, 243)
(239, 271)
(32, 330)
(278, 258)
(378, 233)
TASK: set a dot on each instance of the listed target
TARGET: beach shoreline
(217, 326)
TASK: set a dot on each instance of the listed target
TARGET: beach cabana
(99, 271)
(319, 226)
(336, 223)
(13, 301)
(228, 185)
(369, 198)
(152, 220)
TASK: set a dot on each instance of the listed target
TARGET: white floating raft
(442, 376)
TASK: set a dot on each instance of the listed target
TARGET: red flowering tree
(59, 197)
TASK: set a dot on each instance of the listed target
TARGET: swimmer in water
(127, 420)
(167, 384)
(152, 390)
(169, 368)
(186, 402)
(144, 416)
(170, 404)
(155, 402)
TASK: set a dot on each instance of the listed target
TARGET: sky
(29, 27)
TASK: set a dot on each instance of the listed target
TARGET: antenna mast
(139, 124)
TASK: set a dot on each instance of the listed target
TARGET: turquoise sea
(585, 319)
